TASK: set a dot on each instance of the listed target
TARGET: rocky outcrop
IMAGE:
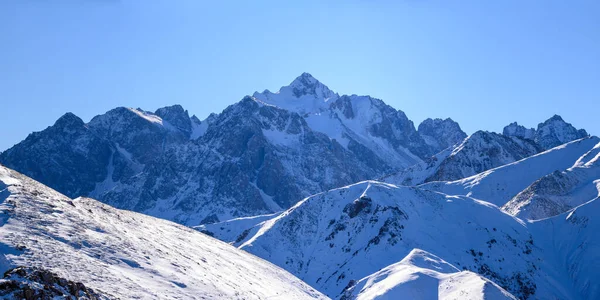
(31, 283)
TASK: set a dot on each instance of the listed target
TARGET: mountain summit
(304, 95)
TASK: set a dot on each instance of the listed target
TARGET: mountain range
(344, 192)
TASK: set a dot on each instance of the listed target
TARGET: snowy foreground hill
(126, 255)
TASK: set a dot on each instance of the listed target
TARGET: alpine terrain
(313, 194)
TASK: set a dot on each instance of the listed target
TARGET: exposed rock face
(441, 134)
(176, 116)
(34, 283)
(66, 156)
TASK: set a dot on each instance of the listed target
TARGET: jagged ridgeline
(260, 155)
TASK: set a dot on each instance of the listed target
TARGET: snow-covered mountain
(260, 155)
(121, 254)
(335, 239)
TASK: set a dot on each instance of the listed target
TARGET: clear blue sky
(483, 63)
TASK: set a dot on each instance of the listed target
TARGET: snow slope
(126, 255)
(559, 191)
(422, 275)
(336, 238)
(500, 184)
(420, 172)
(572, 243)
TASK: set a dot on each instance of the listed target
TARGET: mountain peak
(555, 118)
(304, 80)
(556, 131)
(306, 84)
(69, 119)
(305, 94)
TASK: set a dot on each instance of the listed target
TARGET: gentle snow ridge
(422, 275)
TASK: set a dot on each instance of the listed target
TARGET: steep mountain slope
(260, 155)
(559, 191)
(331, 240)
(420, 172)
(479, 152)
(371, 129)
(422, 275)
(126, 255)
(363, 123)
(482, 151)
(499, 185)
